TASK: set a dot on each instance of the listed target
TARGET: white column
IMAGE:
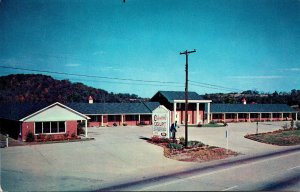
(249, 117)
(237, 117)
(139, 118)
(224, 117)
(259, 116)
(282, 116)
(271, 116)
(101, 120)
(86, 128)
(122, 120)
(296, 117)
(208, 112)
(197, 113)
(174, 111)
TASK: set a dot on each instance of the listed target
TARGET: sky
(134, 47)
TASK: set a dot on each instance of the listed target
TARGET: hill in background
(43, 88)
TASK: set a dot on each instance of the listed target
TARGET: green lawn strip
(290, 137)
(213, 125)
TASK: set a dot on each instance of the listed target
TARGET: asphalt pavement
(118, 155)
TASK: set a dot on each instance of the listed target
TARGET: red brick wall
(71, 127)
(26, 128)
(94, 124)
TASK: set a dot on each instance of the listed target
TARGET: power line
(216, 86)
(146, 82)
(92, 76)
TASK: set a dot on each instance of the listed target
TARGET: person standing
(173, 130)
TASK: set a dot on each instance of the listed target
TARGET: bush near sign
(161, 122)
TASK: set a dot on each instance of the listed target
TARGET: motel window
(38, 127)
(50, 127)
(62, 127)
(46, 127)
(54, 127)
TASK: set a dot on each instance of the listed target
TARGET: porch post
(197, 113)
(101, 120)
(208, 112)
(259, 116)
(296, 117)
(122, 120)
(85, 128)
(224, 117)
(237, 117)
(174, 111)
(271, 116)
(139, 118)
(282, 116)
(249, 119)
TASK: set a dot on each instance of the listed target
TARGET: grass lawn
(279, 137)
(213, 125)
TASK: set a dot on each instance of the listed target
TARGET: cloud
(291, 69)
(257, 77)
(73, 65)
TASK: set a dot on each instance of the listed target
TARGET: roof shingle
(254, 108)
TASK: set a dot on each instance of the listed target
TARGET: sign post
(226, 135)
(161, 122)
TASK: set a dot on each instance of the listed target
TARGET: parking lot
(116, 155)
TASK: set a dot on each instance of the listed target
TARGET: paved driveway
(116, 155)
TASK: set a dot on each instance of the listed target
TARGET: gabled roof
(178, 95)
(248, 108)
(17, 111)
(52, 105)
(114, 108)
(21, 111)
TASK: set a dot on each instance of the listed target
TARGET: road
(272, 171)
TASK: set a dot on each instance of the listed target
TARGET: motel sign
(161, 122)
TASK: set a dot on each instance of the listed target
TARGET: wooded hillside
(42, 88)
(289, 98)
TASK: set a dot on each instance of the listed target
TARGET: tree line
(252, 96)
(43, 88)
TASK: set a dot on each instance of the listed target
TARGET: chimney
(244, 101)
(91, 100)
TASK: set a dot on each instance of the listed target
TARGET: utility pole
(186, 53)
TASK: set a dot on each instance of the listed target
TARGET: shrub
(49, 137)
(195, 144)
(73, 135)
(212, 122)
(66, 134)
(181, 140)
(175, 146)
(292, 124)
(156, 139)
(124, 124)
(142, 123)
(80, 130)
(115, 124)
(29, 137)
(225, 124)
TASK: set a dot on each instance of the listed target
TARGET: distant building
(18, 119)
(175, 102)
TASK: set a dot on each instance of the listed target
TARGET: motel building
(175, 102)
(57, 120)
